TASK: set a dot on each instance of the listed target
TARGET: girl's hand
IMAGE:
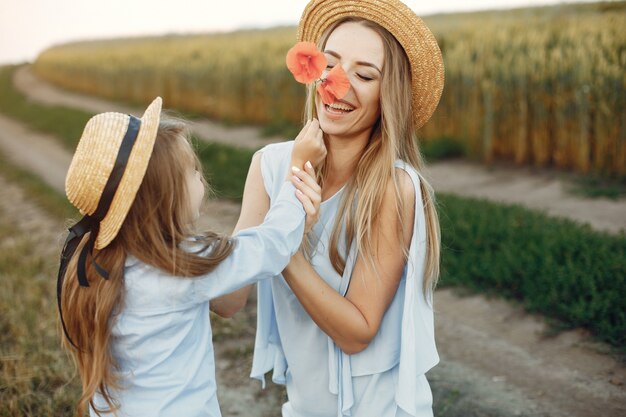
(308, 192)
(309, 145)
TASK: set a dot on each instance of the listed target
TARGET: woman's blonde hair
(393, 137)
(156, 225)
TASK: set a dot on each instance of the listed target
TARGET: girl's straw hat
(105, 140)
(420, 45)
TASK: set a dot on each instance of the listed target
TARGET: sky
(27, 27)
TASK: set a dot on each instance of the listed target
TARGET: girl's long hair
(393, 137)
(158, 222)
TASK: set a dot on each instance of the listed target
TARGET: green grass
(226, 167)
(593, 186)
(443, 148)
(284, 128)
(554, 266)
(35, 374)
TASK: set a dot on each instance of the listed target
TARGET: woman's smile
(338, 109)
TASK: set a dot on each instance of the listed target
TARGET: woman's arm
(353, 321)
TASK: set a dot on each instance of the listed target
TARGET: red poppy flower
(305, 62)
(335, 86)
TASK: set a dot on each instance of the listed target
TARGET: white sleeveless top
(387, 379)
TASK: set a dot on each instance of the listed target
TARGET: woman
(349, 329)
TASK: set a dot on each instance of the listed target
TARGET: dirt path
(536, 189)
(30, 219)
(496, 359)
(43, 92)
(503, 348)
(51, 160)
(544, 190)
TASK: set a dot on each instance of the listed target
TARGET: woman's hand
(309, 145)
(308, 192)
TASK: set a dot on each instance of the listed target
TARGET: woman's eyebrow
(364, 63)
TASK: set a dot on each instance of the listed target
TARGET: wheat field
(540, 86)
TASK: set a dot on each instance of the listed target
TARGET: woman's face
(359, 50)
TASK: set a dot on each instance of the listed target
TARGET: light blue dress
(162, 337)
(387, 379)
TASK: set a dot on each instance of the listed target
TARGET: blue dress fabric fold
(387, 379)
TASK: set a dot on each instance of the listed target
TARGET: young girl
(134, 288)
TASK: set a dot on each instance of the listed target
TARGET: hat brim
(133, 175)
(419, 43)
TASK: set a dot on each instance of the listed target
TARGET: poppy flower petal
(338, 81)
(305, 62)
(327, 95)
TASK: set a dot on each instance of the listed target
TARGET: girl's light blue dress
(387, 379)
(162, 337)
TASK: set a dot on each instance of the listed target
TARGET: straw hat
(95, 158)
(420, 45)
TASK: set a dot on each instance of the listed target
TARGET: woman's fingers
(310, 209)
(308, 168)
(307, 204)
(307, 177)
(312, 193)
(308, 192)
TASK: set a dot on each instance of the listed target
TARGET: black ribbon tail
(74, 237)
(101, 271)
(82, 263)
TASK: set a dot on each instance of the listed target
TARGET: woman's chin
(331, 128)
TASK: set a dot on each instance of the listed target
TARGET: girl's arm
(259, 252)
(309, 145)
(353, 321)
(254, 206)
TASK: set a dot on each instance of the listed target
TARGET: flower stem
(312, 98)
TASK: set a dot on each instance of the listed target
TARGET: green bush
(554, 266)
(226, 167)
(442, 148)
